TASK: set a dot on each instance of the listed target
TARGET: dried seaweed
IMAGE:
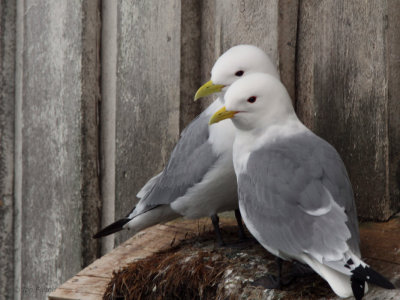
(195, 269)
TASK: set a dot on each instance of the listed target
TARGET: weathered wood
(393, 72)
(91, 282)
(141, 245)
(51, 175)
(247, 22)
(381, 240)
(190, 64)
(7, 87)
(148, 93)
(342, 91)
(66, 294)
(109, 55)
(80, 284)
(287, 37)
(229, 23)
(91, 202)
(208, 15)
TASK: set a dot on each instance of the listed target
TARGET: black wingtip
(358, 287)
(371, 276)
(112, 228)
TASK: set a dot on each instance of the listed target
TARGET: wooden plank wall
(49, 200)
(343, 73)
(7, 109)
(148, 76)
(49, 186)
(339, 60)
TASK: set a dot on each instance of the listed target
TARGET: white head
(255, 101)
(235, 63)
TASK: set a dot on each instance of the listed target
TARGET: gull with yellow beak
(294, 192)
(199, 180)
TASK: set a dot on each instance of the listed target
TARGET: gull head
(255, 101)
(237, 62)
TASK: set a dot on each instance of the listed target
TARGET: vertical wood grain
(91, 202)
(233, 22)
(190, 64)
(57, 171)
(108, 116)
(7, 114)
(148, 94)
(342, 90)
(287, 38)
(393, 73)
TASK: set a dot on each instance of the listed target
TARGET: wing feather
(296, 192)
(190, 160)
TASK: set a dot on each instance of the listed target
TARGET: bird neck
(269, 131)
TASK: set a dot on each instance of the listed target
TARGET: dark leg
(242, 234)
(277, 282)
(300, 270)
(279, 279)
(215, 221)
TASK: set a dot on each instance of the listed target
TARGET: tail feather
(365, 273)
(358, 287)
(112, 228)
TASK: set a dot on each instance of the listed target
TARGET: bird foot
(300, 270)
(273, 282)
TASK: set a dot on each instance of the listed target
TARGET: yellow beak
(222, 114)
(207, 89)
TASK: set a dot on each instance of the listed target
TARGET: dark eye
(239, 73)
(252, 99)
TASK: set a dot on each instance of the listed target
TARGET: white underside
(339, 282)
(158, 215)
(217, 192)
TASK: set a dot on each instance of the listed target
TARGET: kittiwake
(295, 196)
(199, 179)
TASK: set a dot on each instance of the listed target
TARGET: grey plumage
(309, 174)
(294, 192)
(199, 179)
(190, 160)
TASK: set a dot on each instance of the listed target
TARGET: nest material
(169, 275)
(196, 269)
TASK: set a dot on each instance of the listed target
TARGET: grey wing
(338, 183)
(190, 160)
(148, 186)
(290, 193)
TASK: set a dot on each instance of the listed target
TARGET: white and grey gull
(199, 179)
(295, 196)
